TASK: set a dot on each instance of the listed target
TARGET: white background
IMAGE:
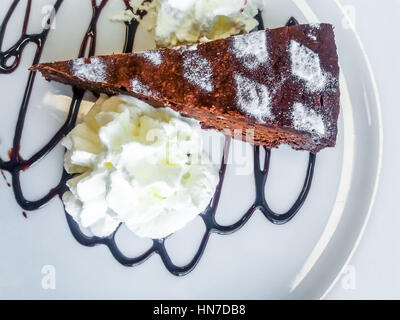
(376, 263)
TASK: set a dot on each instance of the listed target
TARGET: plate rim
(310, 16)
(380, 151)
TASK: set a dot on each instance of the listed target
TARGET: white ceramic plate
(300, 259)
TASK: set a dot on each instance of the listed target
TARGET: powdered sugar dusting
(314, 27)
(306, 65)
(193, 47)
(94, 70)
(251, 49)
(253, 98)
(153, 56)
(185, 48)
(138, 87)
(307, 119)
(198, 71)
(312, 36)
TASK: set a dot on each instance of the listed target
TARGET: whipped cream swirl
(137, 165)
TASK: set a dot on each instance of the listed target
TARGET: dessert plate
(300, 259)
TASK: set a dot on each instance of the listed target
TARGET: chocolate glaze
(16, 164)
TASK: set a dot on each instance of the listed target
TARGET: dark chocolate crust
(164, 84)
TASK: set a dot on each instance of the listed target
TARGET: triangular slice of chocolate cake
(283, 83)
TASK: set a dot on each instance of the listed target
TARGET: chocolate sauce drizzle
(16, 164)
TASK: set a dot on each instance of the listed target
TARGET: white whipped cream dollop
(191, 21)
(137, 165)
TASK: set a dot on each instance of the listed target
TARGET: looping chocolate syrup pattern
(16, 164)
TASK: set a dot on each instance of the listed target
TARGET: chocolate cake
(281, 83)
